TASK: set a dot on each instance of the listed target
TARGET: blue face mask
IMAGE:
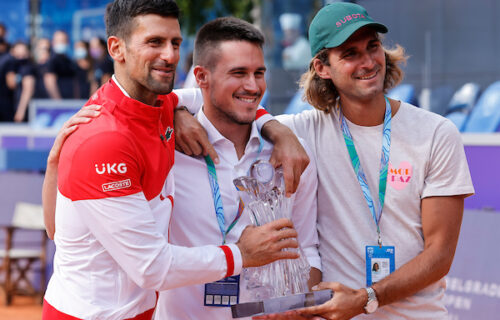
(61, 48)
(80, 53)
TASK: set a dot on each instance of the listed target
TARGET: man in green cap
(392, 178)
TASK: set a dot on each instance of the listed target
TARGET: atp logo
(369, 250)
(111, 168)
(168, 133)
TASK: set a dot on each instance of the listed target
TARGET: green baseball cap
(336, 22)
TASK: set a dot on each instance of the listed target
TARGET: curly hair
(322, 94)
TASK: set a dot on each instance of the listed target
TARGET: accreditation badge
(380, 262)
(222, 293)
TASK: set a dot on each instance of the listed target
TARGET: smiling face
(147, 59)
(357, 67)
(235, 84)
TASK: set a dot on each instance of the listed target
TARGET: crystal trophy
(263, 193)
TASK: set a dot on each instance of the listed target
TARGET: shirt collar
(120, 86)
(113, 91)
(214, 136)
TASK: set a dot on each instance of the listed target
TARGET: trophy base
(281, 304)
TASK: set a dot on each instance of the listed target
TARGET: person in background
(83, 69)
(4, 45)
(7, 86)
(41, 56)
(3, 31)
(101, 61)
(61, 70)
(296, 53)
(42, 51)
(25, 80)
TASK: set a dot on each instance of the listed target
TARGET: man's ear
(116, 48)
(201, 75)
(321, 69)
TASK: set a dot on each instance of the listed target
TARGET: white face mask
(80, 53)
(61, 48)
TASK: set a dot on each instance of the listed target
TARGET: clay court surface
(22, 308)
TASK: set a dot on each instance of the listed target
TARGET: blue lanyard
(384, 163)
(219, 209)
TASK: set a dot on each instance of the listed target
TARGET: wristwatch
(372, 303)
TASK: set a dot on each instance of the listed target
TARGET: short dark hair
(120, 14)
(221, 30)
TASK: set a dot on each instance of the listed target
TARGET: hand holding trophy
(263, 193)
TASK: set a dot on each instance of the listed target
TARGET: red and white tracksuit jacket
(115, 196)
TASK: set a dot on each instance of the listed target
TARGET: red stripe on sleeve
(229, 260)
(146, 315)
(51, 313)
(260, 113)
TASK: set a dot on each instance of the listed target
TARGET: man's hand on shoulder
(287, 152)
(190, 136)
(84, 115)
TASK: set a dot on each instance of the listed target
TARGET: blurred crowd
(51, 69)
(55, 69)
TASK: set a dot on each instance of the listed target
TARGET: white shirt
(194, 223)
(427, 159)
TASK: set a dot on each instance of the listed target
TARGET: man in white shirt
(229, 69)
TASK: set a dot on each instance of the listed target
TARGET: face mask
(96, 53)
(80, 53)
(61, 48)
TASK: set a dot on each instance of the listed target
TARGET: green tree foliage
(194, 13)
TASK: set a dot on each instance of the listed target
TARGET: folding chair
(19, 261)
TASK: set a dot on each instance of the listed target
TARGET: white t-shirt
(427, 158)
(194, 223)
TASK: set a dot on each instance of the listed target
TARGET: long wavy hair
(322, 94)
